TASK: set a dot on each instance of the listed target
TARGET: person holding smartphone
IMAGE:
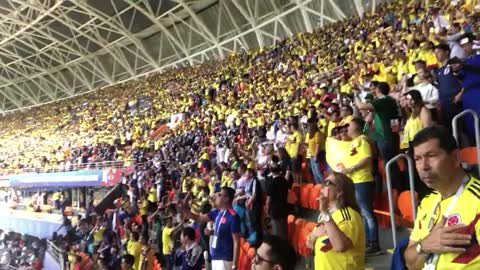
(225, 239)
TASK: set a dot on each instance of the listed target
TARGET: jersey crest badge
(454, 219)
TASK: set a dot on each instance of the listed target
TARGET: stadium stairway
(108, 201)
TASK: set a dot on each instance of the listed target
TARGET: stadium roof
(56, 49)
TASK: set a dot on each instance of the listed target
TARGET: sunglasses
(258, 259)
(327, 183)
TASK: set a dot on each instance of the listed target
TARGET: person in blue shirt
(469, 70)
(192, 258)
(225, 239)
(449, 87)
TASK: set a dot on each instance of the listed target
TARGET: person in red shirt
(78, 263)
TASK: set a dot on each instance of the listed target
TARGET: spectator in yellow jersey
(419, 116)
(338, 241)
(167, 244)
(358, 163)
(446, 229)
(292, 146)
(314, 141)
(134, 248)
(346, 113)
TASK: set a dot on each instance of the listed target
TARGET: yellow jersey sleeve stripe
(345, 214)
(475, 184)
(475, 191)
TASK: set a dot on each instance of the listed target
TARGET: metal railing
(477, 131)
(119, 164)
(411, 178)
(56, 254)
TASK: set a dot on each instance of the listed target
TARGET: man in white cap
(469, 70)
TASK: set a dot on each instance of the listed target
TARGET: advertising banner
(61, 179)
(112, 176)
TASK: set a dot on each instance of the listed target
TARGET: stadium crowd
(21, 251)
(344, 98)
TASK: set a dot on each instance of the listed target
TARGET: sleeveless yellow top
(412, 127)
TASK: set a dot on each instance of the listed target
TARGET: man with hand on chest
(446, 229)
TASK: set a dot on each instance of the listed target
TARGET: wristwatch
(418, 248)
(326, 217)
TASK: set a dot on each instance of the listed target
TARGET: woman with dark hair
(285, 164)
(419, 116)
(427, 90)
(339, 238)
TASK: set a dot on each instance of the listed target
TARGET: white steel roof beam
(119, 26)
(39, 89)
(24, 94)
(202, 26)
(69, 24)
(306, 18)
(321, 14)
(12, 99)
(66, 20)
(251, 21)
(337, 9)
(163, 29)
(242, 40)
(280, 20)
(34, 22)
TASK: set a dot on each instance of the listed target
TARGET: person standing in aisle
(225, 242)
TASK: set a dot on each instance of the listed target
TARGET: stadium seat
(314, 194)
(469, 155)
(306, 175)
(405, 205)
(310, 226)
(250, 255)
(291, 227)
(381, 208)
(245, 247)
(299, 224)
(305, 195)
(243, 262)
(292, 197)
(303, 250)
(242, 241)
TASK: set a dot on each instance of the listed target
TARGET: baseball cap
(466, 38)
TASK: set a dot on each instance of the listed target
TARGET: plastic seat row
(305, 195)
(298, 231)
(247, 254)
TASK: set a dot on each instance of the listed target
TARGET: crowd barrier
(391, 202)
(73, 167)
(477, 135)
(57, 260)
